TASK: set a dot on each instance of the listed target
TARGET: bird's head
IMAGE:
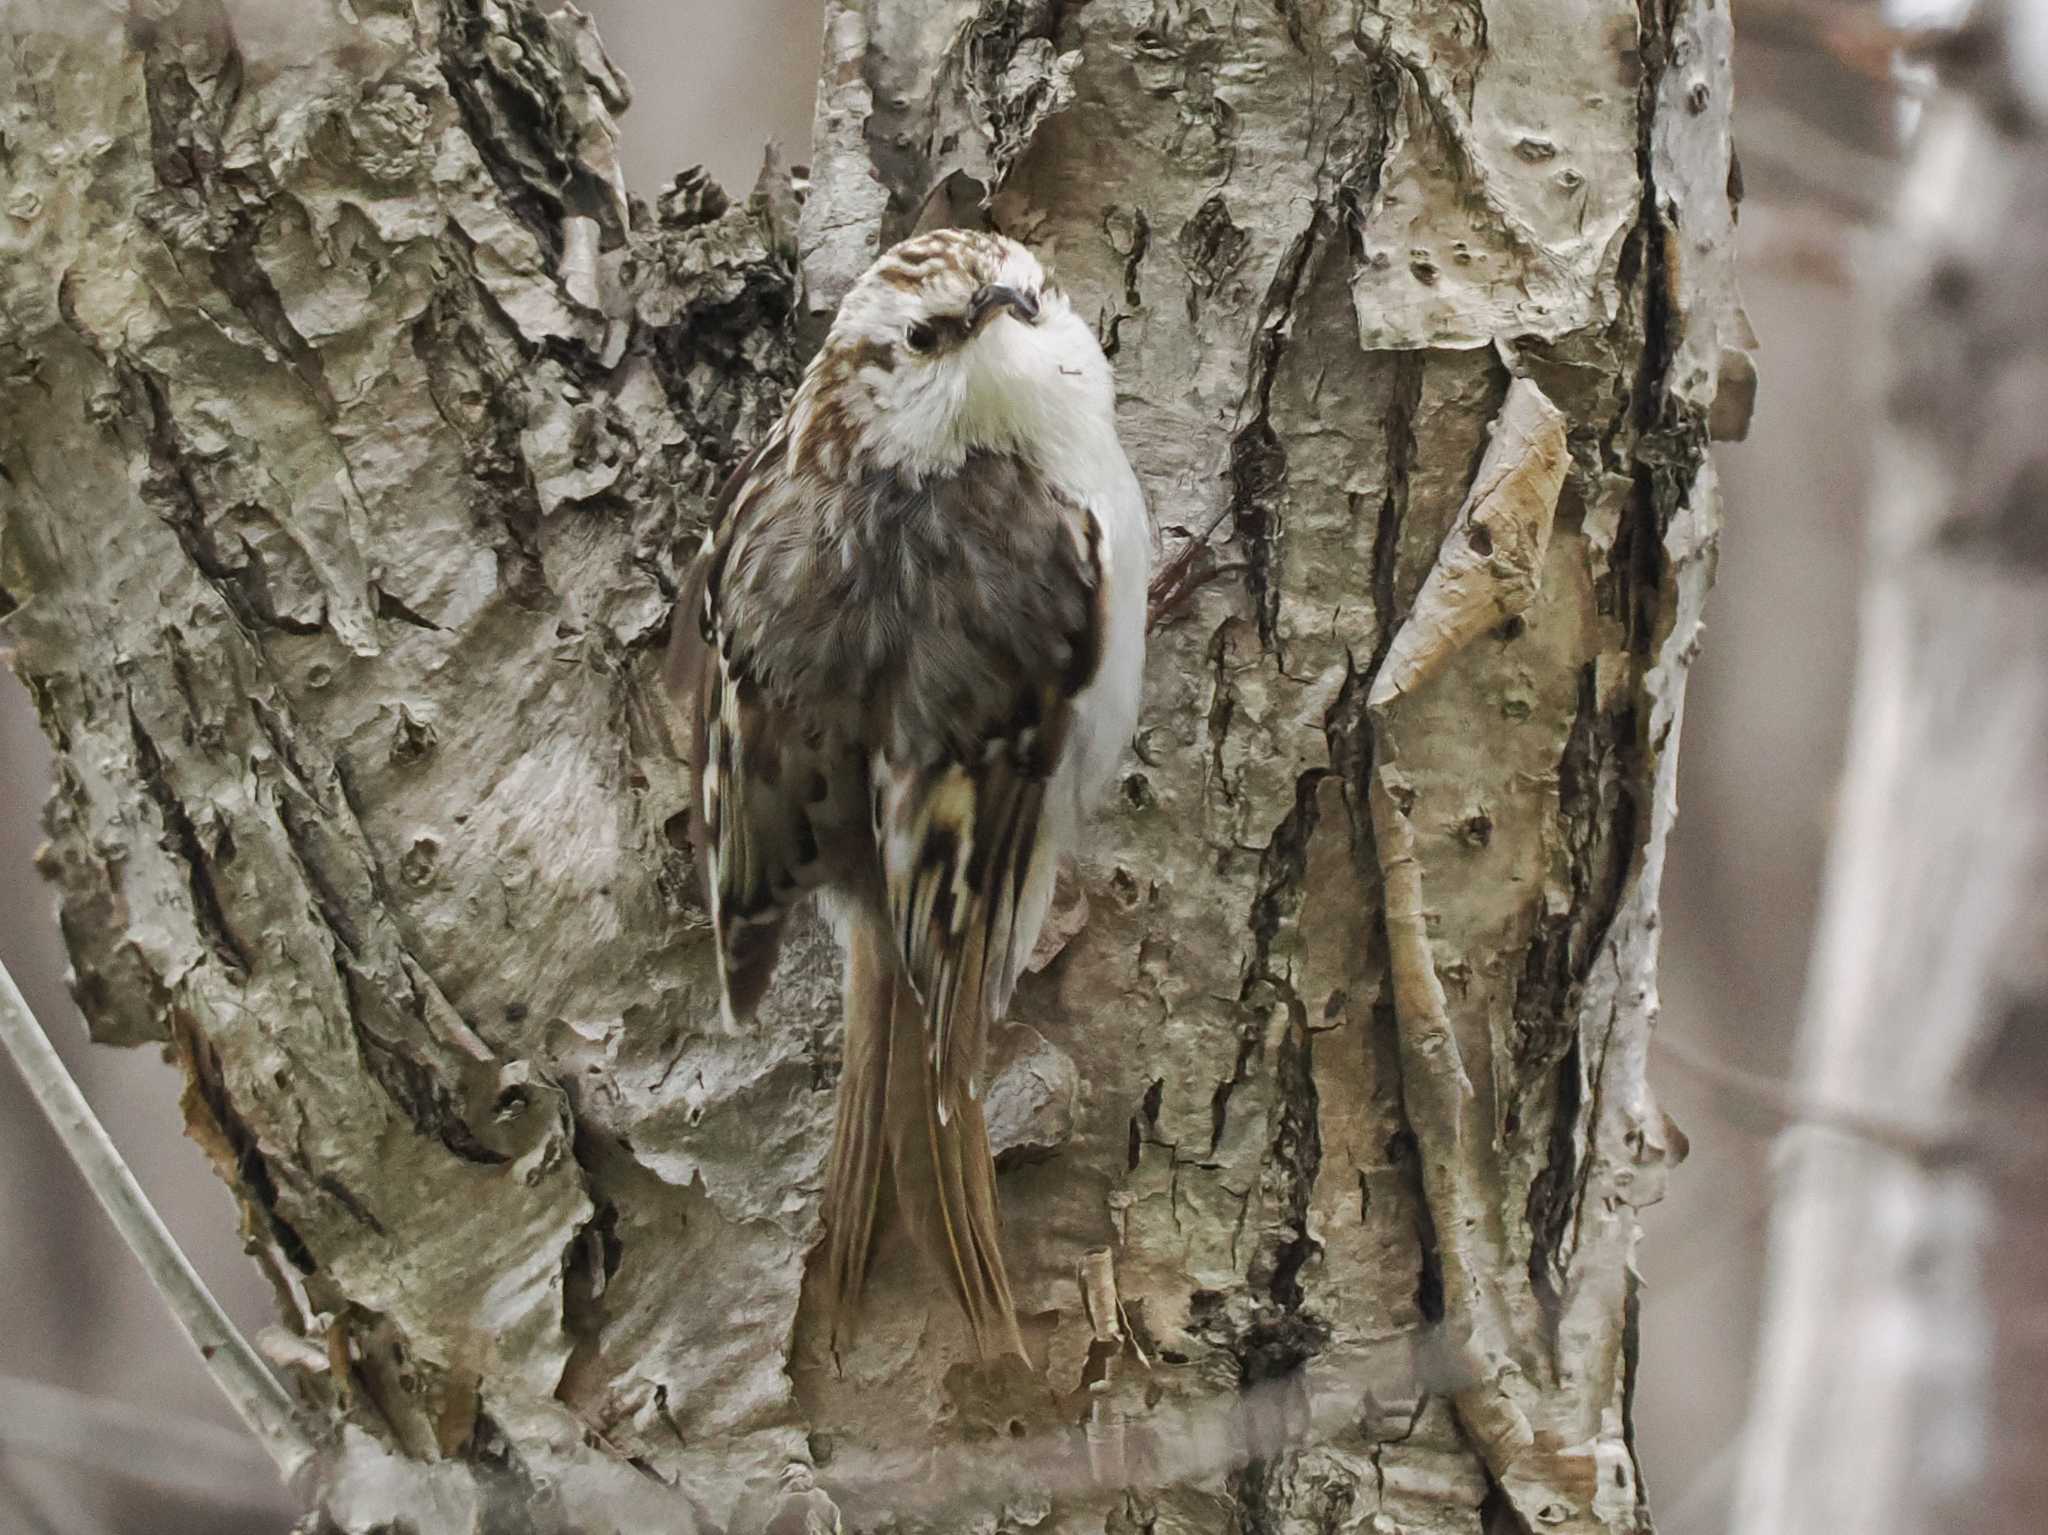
(954, 340)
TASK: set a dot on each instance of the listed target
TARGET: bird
(908, 658)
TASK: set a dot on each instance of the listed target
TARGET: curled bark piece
(1735, 383)
(288, 1350)
(579, 260)
(1098, 1294)
(1491, 562)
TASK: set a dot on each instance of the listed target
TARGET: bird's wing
(992, 675)
(766, 782)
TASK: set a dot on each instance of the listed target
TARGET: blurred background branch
(1903, 1352)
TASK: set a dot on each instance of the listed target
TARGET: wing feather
(920, 693)
(965, 862)
(765, 780)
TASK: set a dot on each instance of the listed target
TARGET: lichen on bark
(357, 424)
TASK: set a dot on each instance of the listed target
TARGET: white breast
(1055, 386)
(1046, 391)
(1107, 709)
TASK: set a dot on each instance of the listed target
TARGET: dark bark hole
(1219, 1113)
(1482, 541)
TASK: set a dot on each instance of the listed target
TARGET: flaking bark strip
(1489, 566)
(1437, 1094)
(1487, 570)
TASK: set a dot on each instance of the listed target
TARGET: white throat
(1042, 391)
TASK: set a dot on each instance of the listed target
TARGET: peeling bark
(356, 421)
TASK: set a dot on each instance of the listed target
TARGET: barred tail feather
(853, 1179)
(889, 1100)
(946, 1187)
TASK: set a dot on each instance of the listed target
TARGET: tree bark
(1903, 1351)
(356, 421)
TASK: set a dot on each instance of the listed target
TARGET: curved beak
(992, 300)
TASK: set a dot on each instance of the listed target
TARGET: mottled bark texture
(1904, 1352)
(354, 424)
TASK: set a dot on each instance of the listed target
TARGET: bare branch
(255, 1394)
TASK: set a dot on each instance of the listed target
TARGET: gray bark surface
(1903, 1350)
(354, 424)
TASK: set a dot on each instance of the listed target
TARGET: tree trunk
(1904, 1349)
(355, 423)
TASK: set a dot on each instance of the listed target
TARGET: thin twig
(1933, 1143)
(255, 1394)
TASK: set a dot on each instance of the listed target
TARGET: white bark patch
(1508, 184)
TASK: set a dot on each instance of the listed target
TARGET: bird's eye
(921, 337)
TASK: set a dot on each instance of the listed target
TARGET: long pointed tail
(853, 1179)
(945, 1177)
